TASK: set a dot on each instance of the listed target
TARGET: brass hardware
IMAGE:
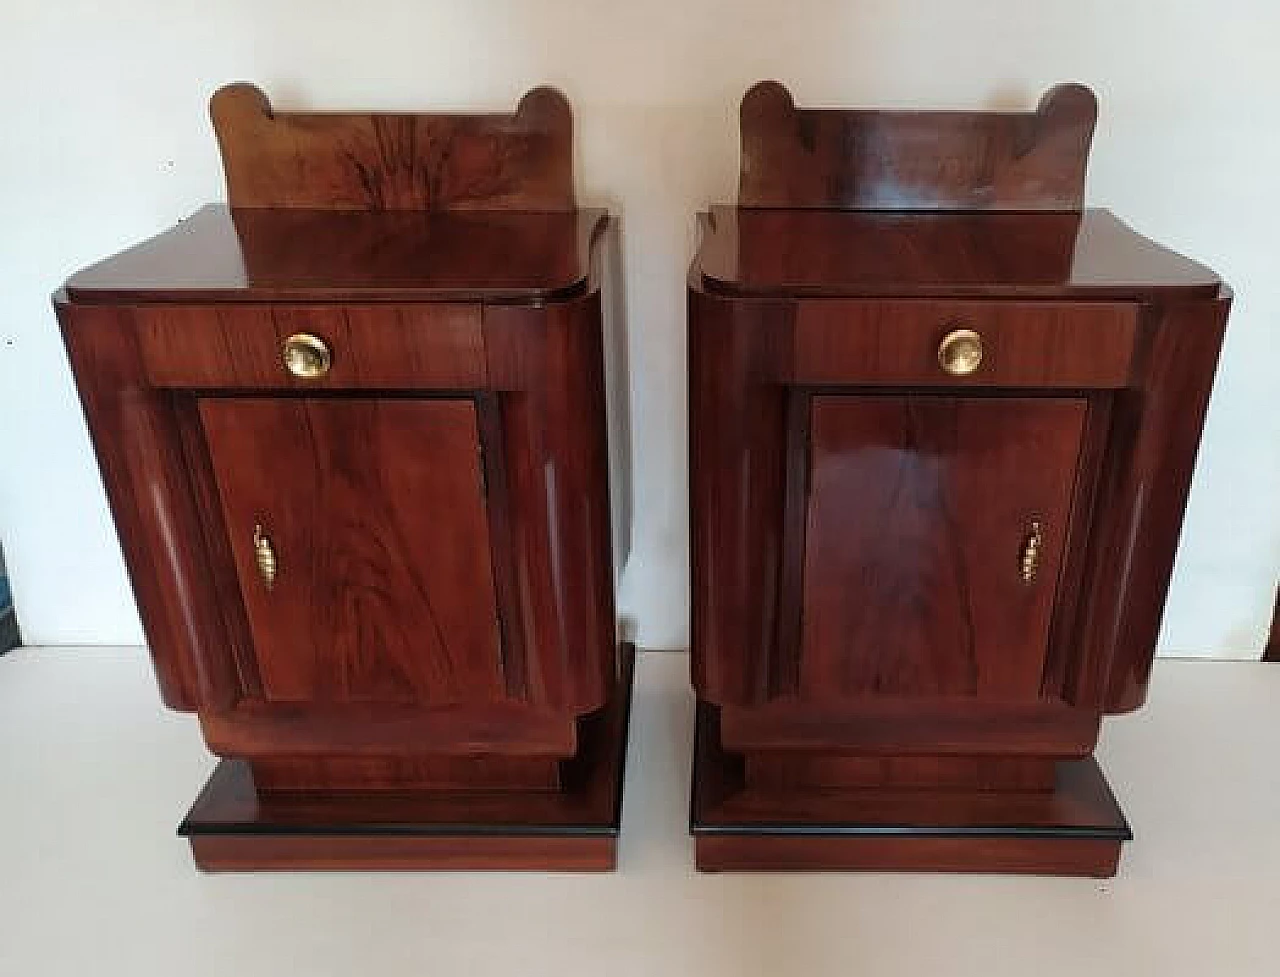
(1029, 558)
(960, 352)
(306, 356)
(265, 555)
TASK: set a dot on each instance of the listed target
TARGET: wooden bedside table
(942, 428)
(352, 429)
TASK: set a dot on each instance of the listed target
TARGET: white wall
(105, 140)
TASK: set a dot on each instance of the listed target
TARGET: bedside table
(352, 428)
(942, 428)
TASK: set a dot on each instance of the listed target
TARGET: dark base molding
(1075, 829)
(233, 828)
(462, 853)
(794, 853)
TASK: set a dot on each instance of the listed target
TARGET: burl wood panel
(427, 346)
(877, 160)
(919, 509)
(387, 161)
(384, 590)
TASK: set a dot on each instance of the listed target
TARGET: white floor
(94, 776)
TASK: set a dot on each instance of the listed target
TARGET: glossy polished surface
(571, 823)
(384, 592)
(382, 161)
(912, 565)
(913, 590)
(914, 160)
(224, 255)
(1091, 254)
(742, 823)
(357, 462)
(386, 346)
(882, 342)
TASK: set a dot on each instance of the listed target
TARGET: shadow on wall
(1271, 653)
(8, 619)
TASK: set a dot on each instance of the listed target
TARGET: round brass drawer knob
(306, 356)
(960, 352)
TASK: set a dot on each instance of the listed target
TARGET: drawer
(312, 347)
(1078, 345)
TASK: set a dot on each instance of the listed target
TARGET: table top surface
(95, 776)
(1090, 254)
(251, 255)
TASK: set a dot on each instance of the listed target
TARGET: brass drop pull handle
(265, 556)
(1029, 557)
(306, 356)
(960, 352)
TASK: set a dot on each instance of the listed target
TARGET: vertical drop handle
(1029, 556)
(265, 556)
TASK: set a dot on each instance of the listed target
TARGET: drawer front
(1079, 345)
(375, 346)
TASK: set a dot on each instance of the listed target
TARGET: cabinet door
(934, 536)
(372, 512)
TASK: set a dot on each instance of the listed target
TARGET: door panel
(920, 509)
(374, 511)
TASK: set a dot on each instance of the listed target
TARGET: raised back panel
(881, 160)
(385, 161)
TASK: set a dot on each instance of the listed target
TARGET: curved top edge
(910, 159)
(542, 103)
(434, 161)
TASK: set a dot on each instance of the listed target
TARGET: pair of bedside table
(942, 427)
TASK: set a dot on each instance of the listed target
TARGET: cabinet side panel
(1152, 451)
(546, 366)
(739, 362)
(139, 450)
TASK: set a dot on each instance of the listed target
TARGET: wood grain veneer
(881, 682)
(432, 641)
